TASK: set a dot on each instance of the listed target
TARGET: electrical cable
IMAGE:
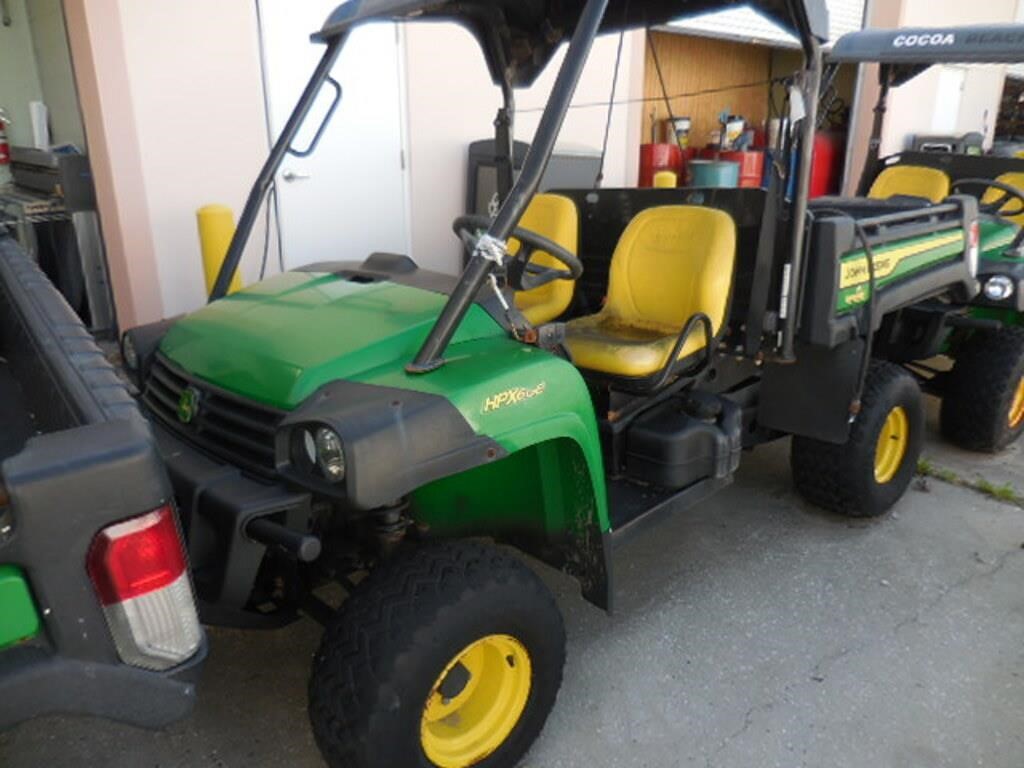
(865, 363)
(266, 242)
(271, 199)
(599, 179)
(661, 75)
(869, 336)
(277, 228)
(672, 97)
(611, 110)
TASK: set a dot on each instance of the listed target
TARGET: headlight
(999, 288)
(329, 455)
(318, 450)
(129, 353)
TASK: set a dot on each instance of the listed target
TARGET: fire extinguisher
(5, 147)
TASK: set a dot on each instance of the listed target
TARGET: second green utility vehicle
(605, 358)
(983, 394)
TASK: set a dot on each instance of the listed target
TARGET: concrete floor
(753, 630)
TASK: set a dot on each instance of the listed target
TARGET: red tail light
(136, 557)
(139, 571)
(973, 248)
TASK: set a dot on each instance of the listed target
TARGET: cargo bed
(76, 456)
(16, 419)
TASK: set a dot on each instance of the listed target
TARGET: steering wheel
(1010, 195)
(521, 274)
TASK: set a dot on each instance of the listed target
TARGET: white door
(948, 97)
(349, 198)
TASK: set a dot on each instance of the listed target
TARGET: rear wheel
(868, 474)
(448, 657)
(983, 405)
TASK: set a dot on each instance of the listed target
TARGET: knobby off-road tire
(982, 406)
(867, 475)
(381, 680)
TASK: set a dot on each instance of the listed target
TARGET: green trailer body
(19, 617)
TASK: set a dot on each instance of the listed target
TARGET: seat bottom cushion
(606, 344)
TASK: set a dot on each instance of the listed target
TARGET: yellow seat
(554, 217)
(670, 264)
(993, 194)
(913, 181)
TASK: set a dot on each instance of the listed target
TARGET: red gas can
(827, 168)
(659, 157)
(5, 148)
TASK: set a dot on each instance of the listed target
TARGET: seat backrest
(1015, 179)
(556, 218)
(671, 263)
(912, 181)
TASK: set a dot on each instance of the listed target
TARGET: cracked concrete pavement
(753, 630)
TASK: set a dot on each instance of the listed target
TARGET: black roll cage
(807, 19)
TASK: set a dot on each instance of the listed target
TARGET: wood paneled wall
(700, 63)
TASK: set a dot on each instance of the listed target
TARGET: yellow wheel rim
(892, 445)
(476, 702)
(1017, 407)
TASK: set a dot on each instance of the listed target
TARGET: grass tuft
(1005, 493)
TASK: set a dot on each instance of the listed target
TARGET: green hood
(281, 340)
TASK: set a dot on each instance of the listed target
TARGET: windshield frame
(482, 262)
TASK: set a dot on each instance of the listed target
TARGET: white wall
(19, 77)
(35, 66)
(49, 41)
(452, 102)
(194, 96)
(198, 106)
(585, 125)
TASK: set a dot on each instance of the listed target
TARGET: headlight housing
(129, 354)
(318, 449)
(999, 288)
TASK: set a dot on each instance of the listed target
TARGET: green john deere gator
(604, 359)
(983, 394)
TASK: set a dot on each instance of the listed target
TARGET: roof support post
(793, 292)
(504, 142)
(868, 173)
(479, 268)
(277, 154)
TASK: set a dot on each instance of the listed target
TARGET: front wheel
(868, 474)
(983, 405)
(447, 657)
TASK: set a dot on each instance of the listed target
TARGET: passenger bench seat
(911, 181)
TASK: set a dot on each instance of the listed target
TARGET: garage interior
(47, 197)
(710, 81)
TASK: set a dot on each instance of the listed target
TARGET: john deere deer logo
(188, 405)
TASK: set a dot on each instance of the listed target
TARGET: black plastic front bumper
(216, 502)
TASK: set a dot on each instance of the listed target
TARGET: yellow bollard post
(666, 180)
(216, 227)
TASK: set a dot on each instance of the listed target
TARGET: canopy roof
(926, 46)
(519, 37)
